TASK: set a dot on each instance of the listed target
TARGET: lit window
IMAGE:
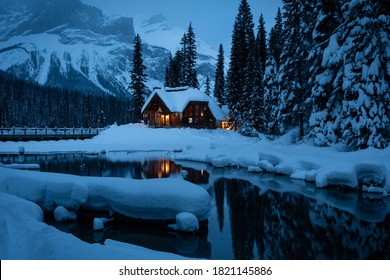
(190, 120)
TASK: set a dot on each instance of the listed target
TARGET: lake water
(253, 216)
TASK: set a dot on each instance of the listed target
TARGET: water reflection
(277, 225)
(110, 165)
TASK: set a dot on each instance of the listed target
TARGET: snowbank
(155, 199)
(24, 236)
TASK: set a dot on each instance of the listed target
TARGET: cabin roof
(177, 100)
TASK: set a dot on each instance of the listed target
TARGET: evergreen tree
(253, 95)
(138, 79)
(181, 70)
(188, 43)
(261, 43)
(294, 68)
(207, 86)
(360, 43)
(242, 41)
(168, 73)
(219, 87)
(326, 79)
(177, 70)
(271, 97)
(271, 77)
(276, 40)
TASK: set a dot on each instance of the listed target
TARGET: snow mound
(62, 214)
(186, 222)
(352, 176)
(184, 174)
(24, 236)
(154, 199)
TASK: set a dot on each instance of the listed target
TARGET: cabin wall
(198, 115)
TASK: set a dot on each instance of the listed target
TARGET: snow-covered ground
(23, 235)
(325, 166)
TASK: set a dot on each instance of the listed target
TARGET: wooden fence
(39, 134)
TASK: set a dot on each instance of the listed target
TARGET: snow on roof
(177, 99)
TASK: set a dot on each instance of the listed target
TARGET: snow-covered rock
(154, 199)
(184, 174)
(98, 223)
(186, 222)
(62, 214)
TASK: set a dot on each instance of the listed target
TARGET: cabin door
(157, 119)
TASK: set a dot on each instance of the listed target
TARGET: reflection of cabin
(183, 107)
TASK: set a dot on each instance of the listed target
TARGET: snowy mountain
(69, 44)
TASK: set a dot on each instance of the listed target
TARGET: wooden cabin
(182, 107)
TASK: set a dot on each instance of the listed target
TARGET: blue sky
(212, 20)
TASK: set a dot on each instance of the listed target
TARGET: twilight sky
(212, 20)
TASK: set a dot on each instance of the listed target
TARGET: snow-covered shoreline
(368, 169)
(153, 199)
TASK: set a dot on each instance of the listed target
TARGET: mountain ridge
(81, 49)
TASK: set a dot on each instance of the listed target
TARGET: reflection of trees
(286, 226)
(344, 236)
(219, 190)
(292, 226)
(243, 199)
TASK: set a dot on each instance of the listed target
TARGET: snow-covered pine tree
(190, 55)
(270, 81)
(253, 95)
(364, 114)
(271, 97)
(242, 40)
(138, 79)
(174, 72)
(298, 27)
(326, 67)
(219, 86)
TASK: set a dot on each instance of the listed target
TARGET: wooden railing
(28, 133)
